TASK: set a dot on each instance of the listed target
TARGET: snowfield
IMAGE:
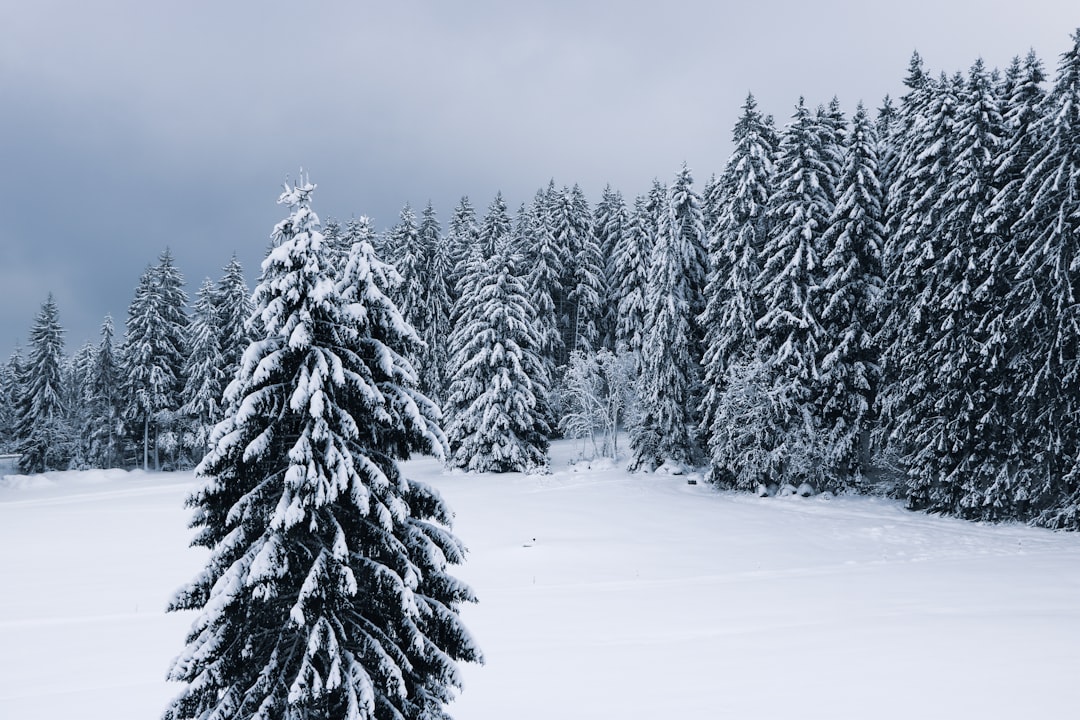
(602, 595)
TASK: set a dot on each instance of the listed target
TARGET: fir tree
(851, 287)
(496, 424)
(326, 593)
(790, 326)
(460, 238)
(9, 401)
(204, 371)
(106, 401)
(629, 273)
(1045, 295)
(740, 202)
(438, 308)
(578, 308)
(234, 309)
(669, 360)
(611, 223)
(45, 440)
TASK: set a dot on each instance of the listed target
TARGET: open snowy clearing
(602, 594)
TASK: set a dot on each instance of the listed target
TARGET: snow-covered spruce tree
(919, 200)
(106, 402)
(77, 374)
(544, 282)
(9, 394)
(495, 422)
(417, 296)
(433, 364)
(496, 230)
(685, 222)
(963, 419)
(1019, 478)
(1045, 293)
(611, 223)
(629, 274)
(44, 435)
(790, 328)
(326, 593)
(460, 237)
(732, 306)
(233, 306)
(851, 289)
(204, 373)
(669, 376)
(153, 354)
(583, 274)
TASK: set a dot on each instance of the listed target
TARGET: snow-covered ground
(602, 595)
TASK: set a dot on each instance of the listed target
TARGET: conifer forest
(875, 301)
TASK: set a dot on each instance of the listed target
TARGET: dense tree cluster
(852, 303)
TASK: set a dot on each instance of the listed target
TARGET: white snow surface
(602, 595)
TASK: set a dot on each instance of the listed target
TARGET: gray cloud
(131, 126)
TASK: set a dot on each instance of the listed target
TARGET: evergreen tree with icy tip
(1045, 292)
(439, 308)
(233, 309)
(739, 203)
(666, 430)
(44, 435)
(106, 401)
(629, 276)
(578, 309)
(914, 281)
(326, 594)
(461, 235)
(497, 423)
(790, 328)
(1018, 479)
(965, 414)
(9, 395)
(204, 371)
(611, 223)
(851, 289)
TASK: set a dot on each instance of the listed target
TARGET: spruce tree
(611, 223)
(326, 593)
(851, 290)
(233, 306)
(204, 372)
(460, 238)
(499, 379)
(45, 439)
(629, 275)
(790, 325)
(106, 402)
(1045, 293)
(732, 306)
(9, 395)
(666, 430)
(438, 308)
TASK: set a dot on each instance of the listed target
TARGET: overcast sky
(131, 126)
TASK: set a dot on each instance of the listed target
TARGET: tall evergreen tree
(10, 385)
(499, 380)
(326, 593)
(204, 371)
(629, 277)
(851, 287)
(740, 202)
(233, 306)
(790, 326)
(920, 200)
(42, 425)
(1048, 283)
(106, 401)
(578, 309)
(666, 430)
(461, 235)
(438, 308)
(611, 223)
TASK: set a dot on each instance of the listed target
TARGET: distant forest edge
(887, 302)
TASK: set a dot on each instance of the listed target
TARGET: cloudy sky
(130, 126)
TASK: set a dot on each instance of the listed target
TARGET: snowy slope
(602, 594)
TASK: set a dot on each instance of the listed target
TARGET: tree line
(881, 300)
